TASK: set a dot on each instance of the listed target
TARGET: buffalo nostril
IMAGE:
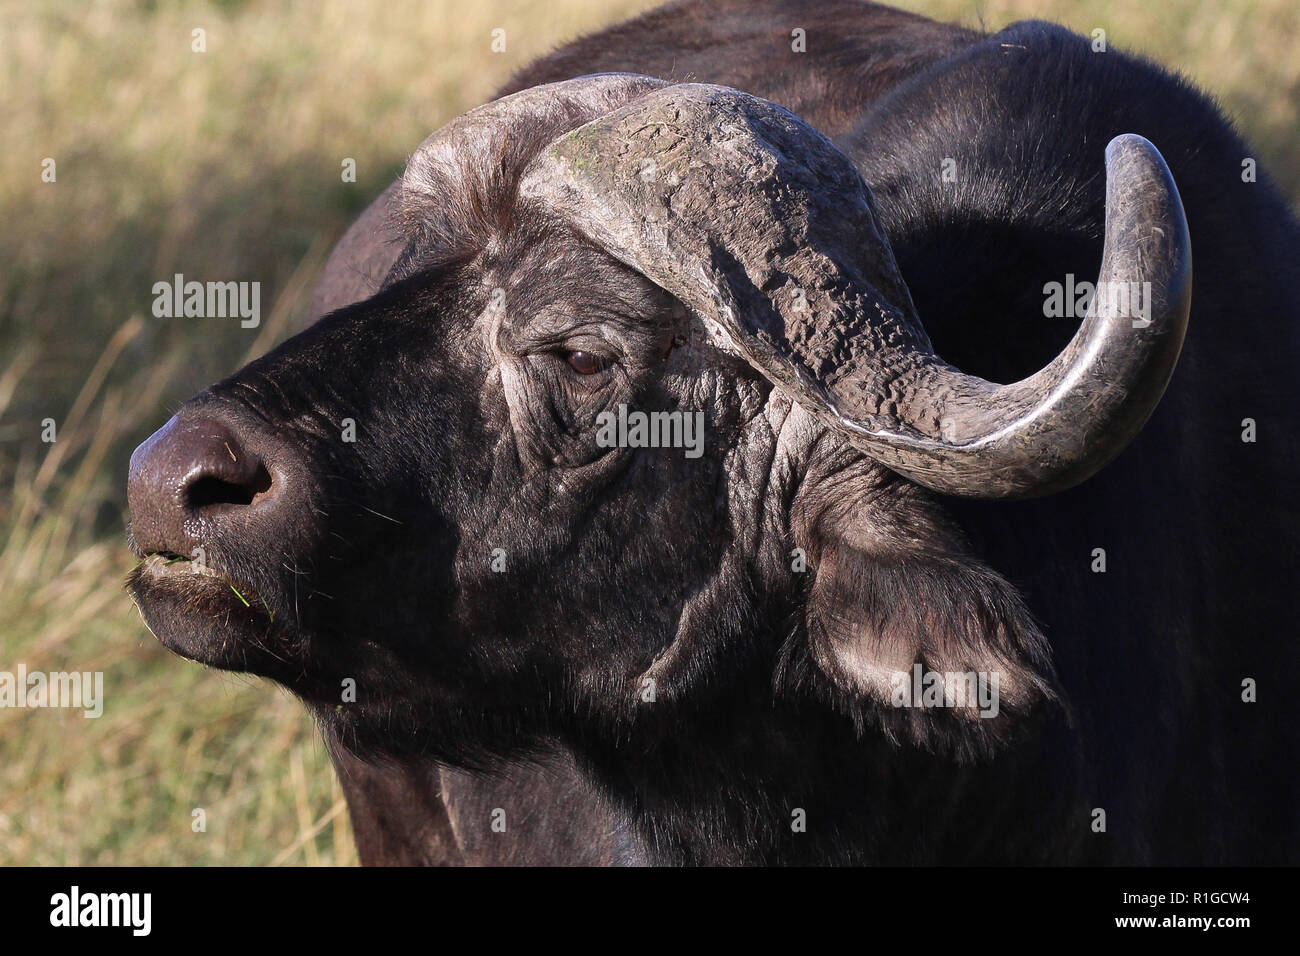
(207, 489)
(191, 468)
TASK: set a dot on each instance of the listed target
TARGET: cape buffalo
(892, 611)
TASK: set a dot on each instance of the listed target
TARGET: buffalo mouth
(205, 615)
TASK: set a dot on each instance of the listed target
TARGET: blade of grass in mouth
(240, 596)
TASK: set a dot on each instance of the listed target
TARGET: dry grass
(222, 165)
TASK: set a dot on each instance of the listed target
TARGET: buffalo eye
(585, 363)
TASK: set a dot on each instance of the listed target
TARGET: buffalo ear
(897, 605)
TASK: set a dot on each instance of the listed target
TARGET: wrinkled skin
(507, 456)
(524, 688)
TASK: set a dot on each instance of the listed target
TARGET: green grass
(225, 165)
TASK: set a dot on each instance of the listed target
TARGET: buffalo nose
(190, 469)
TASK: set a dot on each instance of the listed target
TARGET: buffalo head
(442, 515)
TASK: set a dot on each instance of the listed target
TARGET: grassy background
(225, 165)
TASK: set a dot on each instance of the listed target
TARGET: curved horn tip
(1060, 426)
